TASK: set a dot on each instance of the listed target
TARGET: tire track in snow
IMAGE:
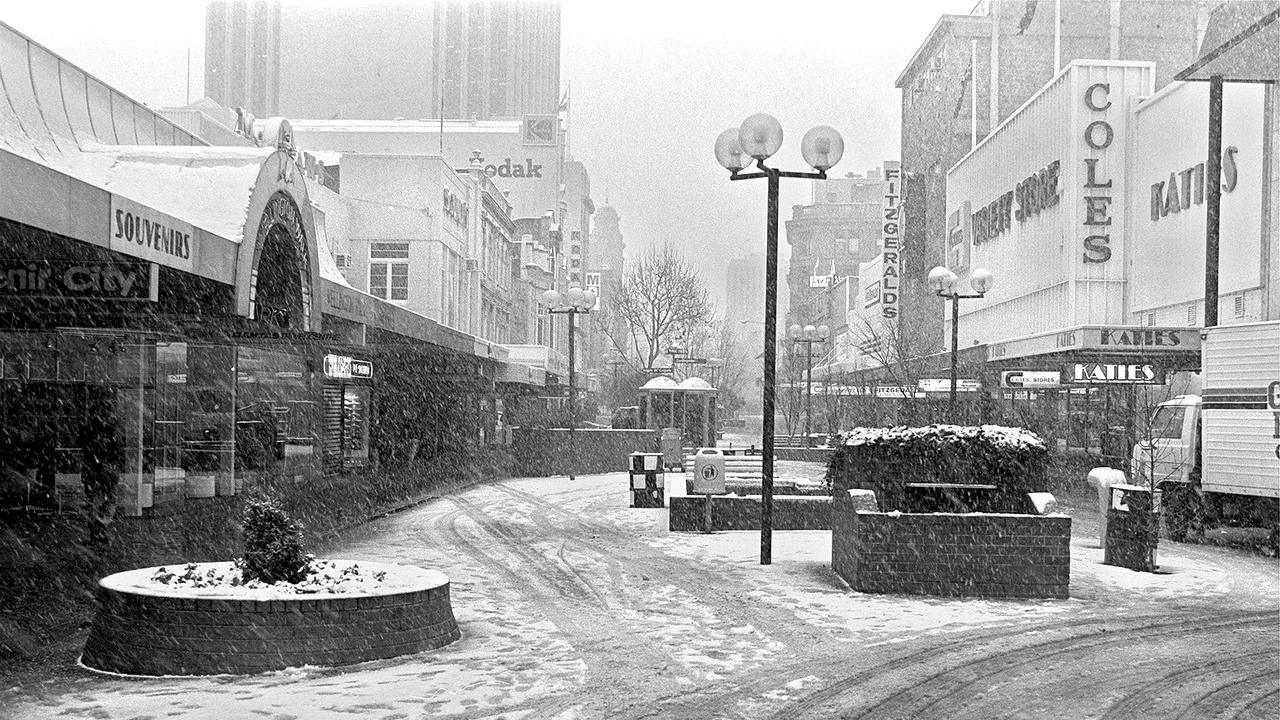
(920, 697)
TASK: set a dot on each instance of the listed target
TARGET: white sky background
(653, 84)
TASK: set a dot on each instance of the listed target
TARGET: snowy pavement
(573, 605)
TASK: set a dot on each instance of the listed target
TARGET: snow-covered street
(573, 605)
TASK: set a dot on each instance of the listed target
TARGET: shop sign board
(891, 224)
(1115, 373)
(137, 230)
(342, 367)
(79, 280)
(941, 385)
(1119, 339)
(1030, 378)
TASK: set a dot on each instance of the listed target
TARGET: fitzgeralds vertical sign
(891, 228)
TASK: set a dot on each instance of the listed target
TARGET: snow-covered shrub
(886, 459)
(273, 550)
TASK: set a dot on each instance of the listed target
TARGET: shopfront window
(276, 415)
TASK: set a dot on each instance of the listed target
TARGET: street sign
(1030, 378)
(941, 385)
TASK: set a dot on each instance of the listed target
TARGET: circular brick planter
(145, 629)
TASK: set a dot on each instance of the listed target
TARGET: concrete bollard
(1102, 478)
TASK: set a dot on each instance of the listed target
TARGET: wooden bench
(739, 464)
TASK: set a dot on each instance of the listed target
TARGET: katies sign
(1109, 373)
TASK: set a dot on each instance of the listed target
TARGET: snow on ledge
(398, 579)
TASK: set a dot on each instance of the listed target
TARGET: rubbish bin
(1133, 522)
(672, 446)
(708, 473)
(648, 482)
(1102, 478)
(707, 479)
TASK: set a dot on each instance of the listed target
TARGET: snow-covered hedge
(885, 459)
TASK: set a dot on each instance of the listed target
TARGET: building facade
(829, 239)
(174, 310)
(973, 71)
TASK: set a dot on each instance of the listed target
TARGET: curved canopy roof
(696, 384)
(662, 382)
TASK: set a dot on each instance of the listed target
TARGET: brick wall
(743, 513)
(540, 452)
(157, 635)
(1014, 556)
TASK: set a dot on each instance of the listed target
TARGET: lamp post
(757, 139)
(944, 283)
(808, 335)
(574, 302)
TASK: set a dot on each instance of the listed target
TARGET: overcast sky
(653, 83)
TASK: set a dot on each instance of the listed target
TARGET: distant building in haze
(490, 60)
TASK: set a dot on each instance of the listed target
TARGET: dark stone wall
(743, 513)
(1013, 556)
(539, 452)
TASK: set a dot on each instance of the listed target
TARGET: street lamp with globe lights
(945, 284)
(756, 140)
(572, 302)
(808, 335)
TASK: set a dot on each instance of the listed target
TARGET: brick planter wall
(743, 513)
(140, 633)
(973, 555)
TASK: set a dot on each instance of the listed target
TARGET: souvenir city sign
(79, 280)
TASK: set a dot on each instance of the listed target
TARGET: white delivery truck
(1216, 456)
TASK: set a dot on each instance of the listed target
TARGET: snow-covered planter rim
(905, 436)
(371, 579)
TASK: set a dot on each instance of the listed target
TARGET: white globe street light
(572, 302)
(758, 138)
(944, 283)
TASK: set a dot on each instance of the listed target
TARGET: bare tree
(718, 342)
(661, 298)
(899, 347)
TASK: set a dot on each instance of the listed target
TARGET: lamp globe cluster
(760, 136)
(575, 299)
(809, 332)
(944, 282)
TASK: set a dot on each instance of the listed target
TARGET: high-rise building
(483, 60)
(496, 59)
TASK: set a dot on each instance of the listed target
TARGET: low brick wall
(821, 455)
(539, 452)
(743, 513)
(973, 555)
(140, 633)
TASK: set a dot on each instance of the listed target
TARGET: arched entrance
(280, 284)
